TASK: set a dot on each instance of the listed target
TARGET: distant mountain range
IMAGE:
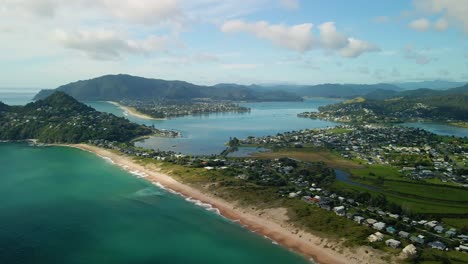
(127, 87)
(436, 85)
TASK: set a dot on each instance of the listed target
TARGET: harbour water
(207, 134)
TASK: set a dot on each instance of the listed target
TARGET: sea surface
(63, 205)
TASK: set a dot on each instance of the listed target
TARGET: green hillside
(60, 118)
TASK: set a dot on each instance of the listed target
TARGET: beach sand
(272, 223)
(133, 112)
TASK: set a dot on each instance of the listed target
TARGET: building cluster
(354, 111)
(394, 229)
(418, 154)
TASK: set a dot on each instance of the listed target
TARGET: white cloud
(441, 25)
(454, 10)
(290, 4)
(297, 37)
(108, 45)
(421, 24)
(300, 38)
(330, 38)
(357, 47)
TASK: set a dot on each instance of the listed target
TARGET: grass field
(421, 197)
(332, 159)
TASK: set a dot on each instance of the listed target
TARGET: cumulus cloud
(290, 4)
(300, 37)
(421, 24)
(424, 24)
(108, 45)
(297, 37)
(454, 10)
(330, 38)
(411, 54)
(357, 47)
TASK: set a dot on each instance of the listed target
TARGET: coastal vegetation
(60, 118)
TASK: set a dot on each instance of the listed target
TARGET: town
(419, 154)
(178, 108)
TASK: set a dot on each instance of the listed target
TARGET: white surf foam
(207, 206)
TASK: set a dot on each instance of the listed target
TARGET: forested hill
(447, 105)
(59, 118)
(127, 87)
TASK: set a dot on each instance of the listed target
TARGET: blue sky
(46, 43)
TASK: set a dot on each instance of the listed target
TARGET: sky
(47, 43)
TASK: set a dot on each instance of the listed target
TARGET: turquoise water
(62, 205)
(207, 134)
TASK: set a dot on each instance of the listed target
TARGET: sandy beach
(133, 112)
(272, 223)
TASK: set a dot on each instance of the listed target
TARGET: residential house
(377, 236)
(417, 239)
(403, 234)
(379, 226)
(439, 229)
(391, 230)
(437, 245)
(358, 219)
(410, 250)
(393, 243)
(339, 210)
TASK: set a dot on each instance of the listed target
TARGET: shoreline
(270, 223)
(133, 112)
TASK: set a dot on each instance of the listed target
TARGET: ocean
(63, 205)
